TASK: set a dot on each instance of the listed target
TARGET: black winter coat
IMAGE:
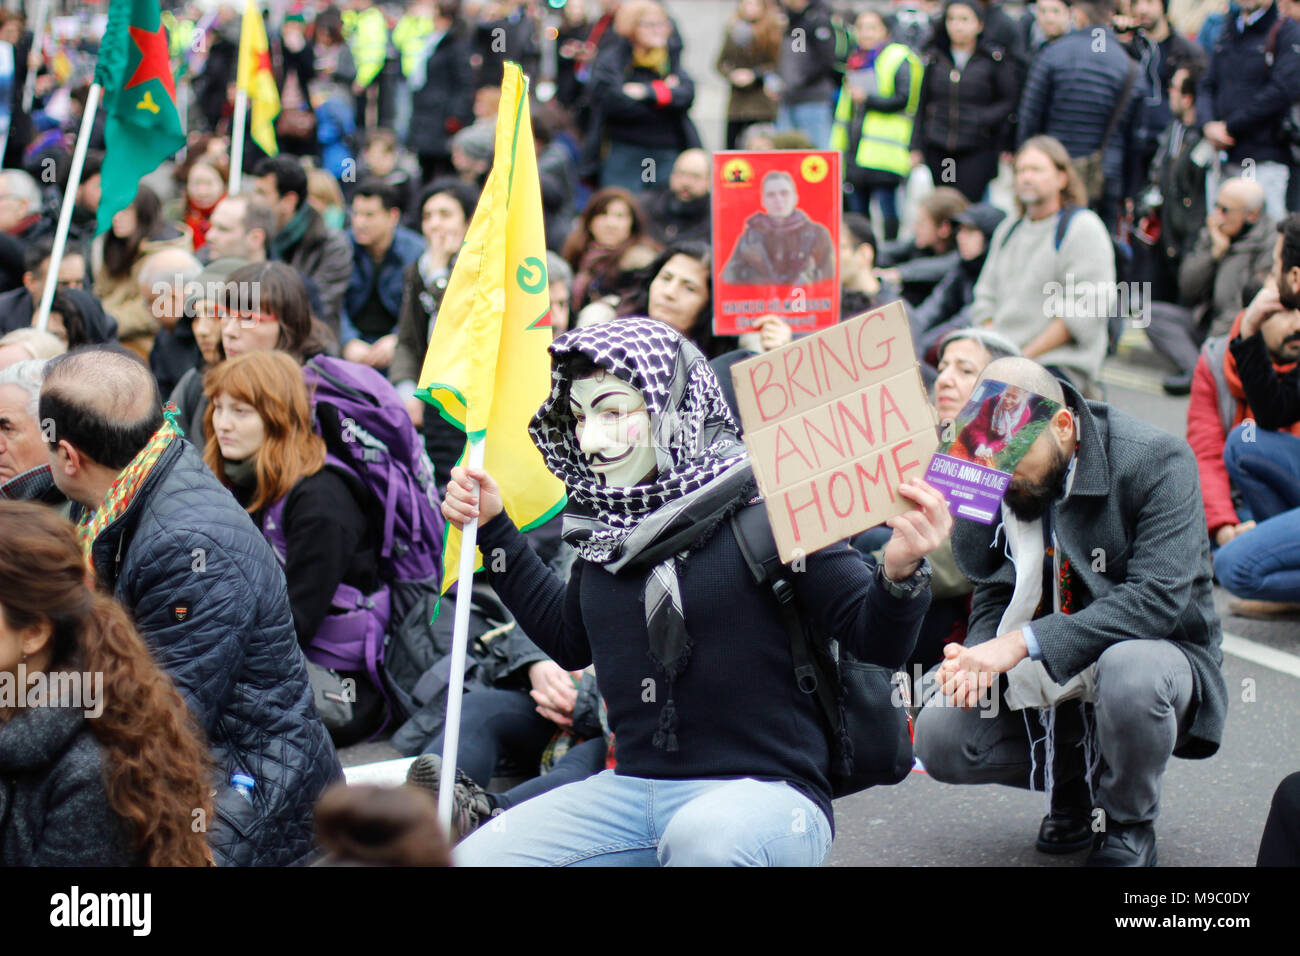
(650, 122)
(207, 593)
(445, 104)
(1240, 89)
(1070, 94)
(962, 111)
(54, 807)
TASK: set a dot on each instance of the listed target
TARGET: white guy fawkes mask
(613, 429)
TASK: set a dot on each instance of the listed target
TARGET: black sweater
(740, 713)
(328, 540)
(1274, 399)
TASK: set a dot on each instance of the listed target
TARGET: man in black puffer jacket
(1075, 92)
(206, 593)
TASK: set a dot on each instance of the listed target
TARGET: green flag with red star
(142, 124)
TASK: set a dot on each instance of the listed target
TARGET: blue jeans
(626, 166)
(498, 724)
(1266, 470)
(1264, 563)
(812, 119)
(613, 820)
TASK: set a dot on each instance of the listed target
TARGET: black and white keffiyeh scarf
(703, 474)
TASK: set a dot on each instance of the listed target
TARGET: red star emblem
(155, 64)
(263, 61)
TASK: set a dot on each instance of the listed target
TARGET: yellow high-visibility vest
(886, 138)
(367, 35)
(410, 36)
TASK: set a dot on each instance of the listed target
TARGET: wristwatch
(910, 586)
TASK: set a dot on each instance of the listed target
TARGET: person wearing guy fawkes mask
(716, 747)
(1092, 606)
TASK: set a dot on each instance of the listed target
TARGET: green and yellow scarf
(127, 484)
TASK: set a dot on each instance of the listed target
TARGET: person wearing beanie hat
(948, 306)
(471, 151)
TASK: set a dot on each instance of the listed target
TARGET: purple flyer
(972, 490)
(983, 445)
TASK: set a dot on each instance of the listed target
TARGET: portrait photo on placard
(776, 223)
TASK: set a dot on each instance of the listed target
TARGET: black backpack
(869, 732)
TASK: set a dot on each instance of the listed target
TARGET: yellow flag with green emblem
(487, 369)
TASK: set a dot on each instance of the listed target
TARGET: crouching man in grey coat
(1093, 651)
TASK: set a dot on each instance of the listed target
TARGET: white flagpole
(459, 645)
(237, 142)
(69, 200)
(38, 29)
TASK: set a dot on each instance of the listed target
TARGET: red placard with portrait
(776, 239)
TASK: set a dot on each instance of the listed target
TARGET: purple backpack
(369, 434)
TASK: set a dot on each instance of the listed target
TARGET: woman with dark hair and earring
(117, 777)
(717, 747)
(262, 447)
(117, 257)
(678, 291)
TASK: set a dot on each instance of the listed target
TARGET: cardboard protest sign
(989, 437)
(834, 423)
(776, 239)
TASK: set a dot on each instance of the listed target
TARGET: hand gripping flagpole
(69, 201)
(459, 646)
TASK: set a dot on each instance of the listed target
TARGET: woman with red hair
(262, 446)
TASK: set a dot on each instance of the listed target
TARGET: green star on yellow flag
(142, 124)
(487, 369)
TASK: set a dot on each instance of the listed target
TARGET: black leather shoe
(1180, 384)
(1124, 844)
(1064, 831)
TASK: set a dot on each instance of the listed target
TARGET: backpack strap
(1270, 44)
(1007, 238)
(1063, 223)
(758, 547)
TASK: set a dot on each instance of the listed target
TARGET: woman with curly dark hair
(101, 763)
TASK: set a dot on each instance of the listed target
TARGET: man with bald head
(1233, 250)
(681, 213)
(205, 590)
(1093, 598)
(169, 287)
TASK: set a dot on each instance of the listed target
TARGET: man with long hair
(1048, 283)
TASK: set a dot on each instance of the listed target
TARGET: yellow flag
(487, 369)
(256, 79)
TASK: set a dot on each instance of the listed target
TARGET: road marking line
(1261, 654)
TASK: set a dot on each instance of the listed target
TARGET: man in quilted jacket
(172, 545)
